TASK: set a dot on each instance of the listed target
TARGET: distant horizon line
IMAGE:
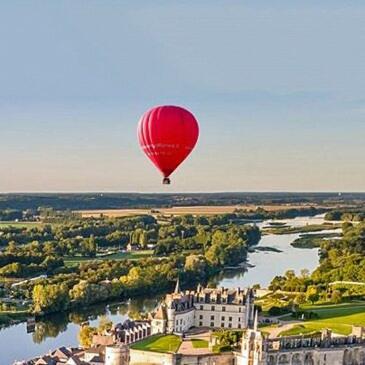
(185, 192)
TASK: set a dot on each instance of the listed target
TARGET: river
(61, 330)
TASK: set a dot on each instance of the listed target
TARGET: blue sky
(278, 89)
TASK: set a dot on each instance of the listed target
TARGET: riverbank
(313, 240)
(56, 330)
(304, 229)
(10, 318)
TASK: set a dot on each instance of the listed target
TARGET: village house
(133, 247)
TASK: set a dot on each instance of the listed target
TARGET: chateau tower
(170, 319)
(250, 308)
(116, 355)
(177, 287)
(252, 346)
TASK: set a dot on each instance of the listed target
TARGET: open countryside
(202, 210)
(182, 182)
(277, 243)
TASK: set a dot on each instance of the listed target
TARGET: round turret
(115, 355)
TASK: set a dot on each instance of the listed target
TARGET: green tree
(49, 298)
(299, 299)
(336, 296)
(105, 324)
(85, 336)
(312, 294)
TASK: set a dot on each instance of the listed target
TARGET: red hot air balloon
(167, 135)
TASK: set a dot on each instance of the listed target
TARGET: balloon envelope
(167, 135)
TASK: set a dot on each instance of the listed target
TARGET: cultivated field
(195, 210)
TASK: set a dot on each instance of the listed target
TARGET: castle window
(213, 307)
(223, 309)
(230, 325)
(239, 309)
(200, 324)
(211, 324)
(222, 324)
(222, 318)
(212, 318)
(239, 319)
(239, 325)
(230, 319)
(201, 307)
(200, 317)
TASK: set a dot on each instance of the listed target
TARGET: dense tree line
(341, 260)
(289, 213)
(11, 215)
(191, 248)
(100, 281)
(346, 214)
(134, 200)
(81, 236)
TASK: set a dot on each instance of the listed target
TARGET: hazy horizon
(278, 90)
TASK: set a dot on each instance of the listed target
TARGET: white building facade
(205, 307)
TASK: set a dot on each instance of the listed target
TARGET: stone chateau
(255, 349)
(184, 313)
(323, 349)
(214, 308)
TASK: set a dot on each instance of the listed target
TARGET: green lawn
(199, 344)
(339, 318)
(135, 255)
(20, 224)
(333, 309)
(159, 343)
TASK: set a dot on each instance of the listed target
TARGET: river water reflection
(267, 264)
(62, 330)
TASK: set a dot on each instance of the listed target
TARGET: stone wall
(319, 356)
(138, 357)
(211, 359)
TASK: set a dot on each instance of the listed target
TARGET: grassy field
(135, 255)
(20, 224)
(195, 210)
(199, 344)
(159, 343)
(338, 318)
